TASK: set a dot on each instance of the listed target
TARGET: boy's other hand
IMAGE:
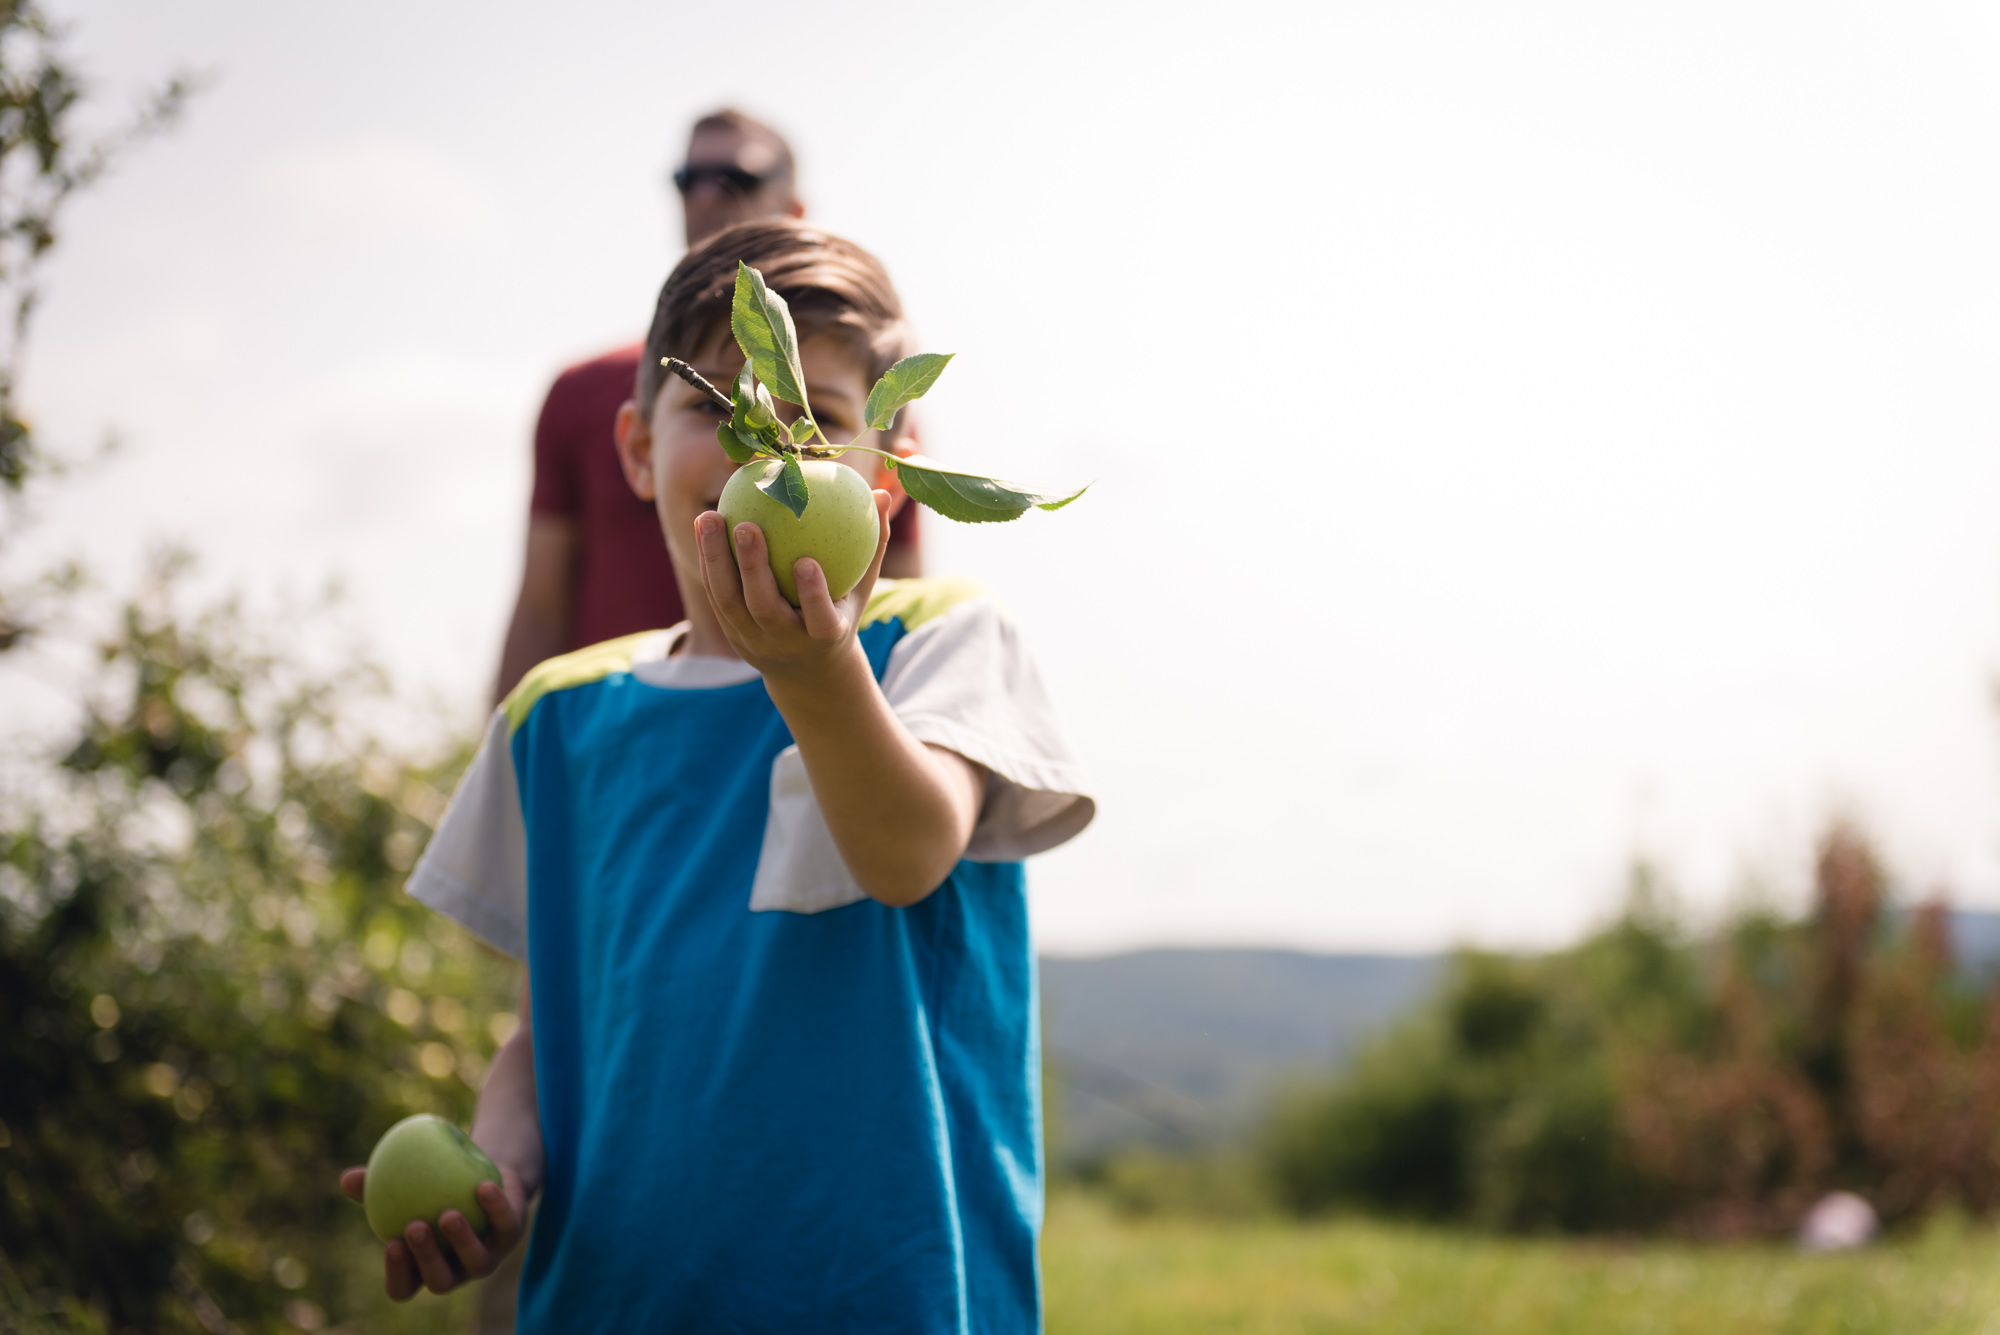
(452, 1254)
(766, 631)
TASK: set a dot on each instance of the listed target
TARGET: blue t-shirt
(768, 1102)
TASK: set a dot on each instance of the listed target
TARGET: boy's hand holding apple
(764, 627)
(420, 1164)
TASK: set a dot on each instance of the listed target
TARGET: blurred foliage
(1497, 1104)
(1648, 1079)
(1218, 1183)
(43, 162)
(212, 994)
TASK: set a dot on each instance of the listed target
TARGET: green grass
(1108, 1274)
(1105, 1274)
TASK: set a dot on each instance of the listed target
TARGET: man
(595, 568)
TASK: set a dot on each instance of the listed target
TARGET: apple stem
(696, 379)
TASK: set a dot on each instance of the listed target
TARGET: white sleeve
(966, 682)
(475, 869)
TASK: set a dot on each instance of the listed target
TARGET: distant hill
(1174, 1047)
(1184, 1047)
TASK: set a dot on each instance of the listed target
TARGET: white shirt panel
(475, 868)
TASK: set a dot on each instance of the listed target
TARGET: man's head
(851, 330)
(738, 169)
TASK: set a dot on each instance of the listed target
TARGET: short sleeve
(557, 489)
(966, 681)
(475, 869)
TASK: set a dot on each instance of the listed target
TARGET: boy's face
(674, 460)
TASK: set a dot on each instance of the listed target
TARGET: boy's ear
(635, 449)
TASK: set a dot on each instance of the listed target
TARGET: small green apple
(839, 529)
(421, 1167)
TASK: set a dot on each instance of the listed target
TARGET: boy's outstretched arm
(508, 1127)
(900, 811)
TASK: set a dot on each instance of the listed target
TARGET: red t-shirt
(623, 580)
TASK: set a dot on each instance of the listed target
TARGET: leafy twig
(762, 325)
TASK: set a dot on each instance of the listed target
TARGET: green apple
(421, 1167)
(839, 529)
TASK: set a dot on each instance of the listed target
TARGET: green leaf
(909, 379)
(759, 437)
(743, 394)
(763, 412)
(787, 486)
(763, 327)
(972, 498)
(802, 431)
(733, 444)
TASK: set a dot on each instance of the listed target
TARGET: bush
(1494, 1106)
(1644, 1079)
(212, 995)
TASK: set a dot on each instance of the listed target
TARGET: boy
(778, 1062)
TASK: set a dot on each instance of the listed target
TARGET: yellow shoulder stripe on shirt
(911, 601)
(915, 601)
(580, 668)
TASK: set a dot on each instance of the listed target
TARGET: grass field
(1106, 1275)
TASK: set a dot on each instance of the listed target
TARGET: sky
(1522, 441)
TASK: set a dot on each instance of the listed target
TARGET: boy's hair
(830, 284)
(729, 118)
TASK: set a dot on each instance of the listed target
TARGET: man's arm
(508, 1126)
(541, 625)
(900, 811)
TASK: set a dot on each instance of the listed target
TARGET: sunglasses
(730, 177)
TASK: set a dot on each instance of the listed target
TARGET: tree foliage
(1647, 1079)
(1498, 1103)
(43, 163)
(212, 994)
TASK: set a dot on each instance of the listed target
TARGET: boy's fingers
(354, 1182)
(501, 1222)
(761, 598)
(858, 596)
(816, 607)
(718, 569)
(885, 508)
(432, 1263)
(472, 1253)
(399, 1272)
